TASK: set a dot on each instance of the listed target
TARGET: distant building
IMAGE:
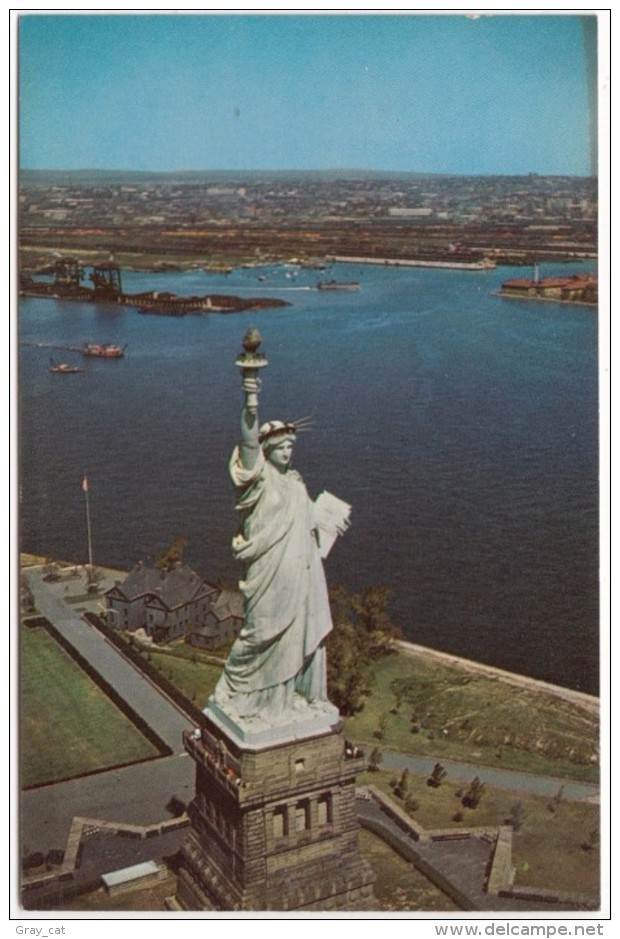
(576, 288)
(397, 212)
(169, 604)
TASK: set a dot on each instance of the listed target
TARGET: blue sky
(417, 93)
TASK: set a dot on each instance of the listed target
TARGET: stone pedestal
(274, 826)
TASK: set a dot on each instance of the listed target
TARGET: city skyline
(499, 94)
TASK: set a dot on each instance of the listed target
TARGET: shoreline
(439, 262)
(511, 296)
(152, 261)
(580, 698)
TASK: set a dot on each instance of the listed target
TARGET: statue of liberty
(276, 667)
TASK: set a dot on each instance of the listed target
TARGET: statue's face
(281, 454)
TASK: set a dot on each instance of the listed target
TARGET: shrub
(411, 804)
(474, 794)
(437, 776)
(517, 816)
(402, 786)
(33, 860)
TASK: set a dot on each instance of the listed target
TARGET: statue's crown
(276, 429)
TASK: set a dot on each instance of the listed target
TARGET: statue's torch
(250, 361)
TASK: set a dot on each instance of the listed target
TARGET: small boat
(337, 285)
(63, 368)
(100, 350)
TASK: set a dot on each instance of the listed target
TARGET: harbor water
(460, 426)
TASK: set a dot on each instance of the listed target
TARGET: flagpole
(88, 530)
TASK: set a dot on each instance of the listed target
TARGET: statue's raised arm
(250, 361)
(249, 446)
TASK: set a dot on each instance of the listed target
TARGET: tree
(402, 786)
(379, 733)
(398, 700)
(437, 776)
(362, 633)
(51, 570)
(348, 675)
(172, 555)
(33, 860)
(54, 858)
(411, 804)
(375, 758)
(175, 806)
(554, 805)
(474, 793)
(93, 579)
(372, 616)
(592, 840)
(517, 816)
(26, 596)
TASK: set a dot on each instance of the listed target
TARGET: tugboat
(100, 350)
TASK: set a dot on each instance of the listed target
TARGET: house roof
(228, 603)
(140, 581)
(573, 281)
(174, 587)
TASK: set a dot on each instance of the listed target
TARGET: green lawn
(195, 679)
(461, 715)
(68, 725)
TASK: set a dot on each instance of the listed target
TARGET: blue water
(461, 427)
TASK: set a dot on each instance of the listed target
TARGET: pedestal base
(256, 734)
(274, 828)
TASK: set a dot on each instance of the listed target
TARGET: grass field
(68, 725)
(461, 715)
(547, 849)
(195, 679)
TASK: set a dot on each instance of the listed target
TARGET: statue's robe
(278, 659)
